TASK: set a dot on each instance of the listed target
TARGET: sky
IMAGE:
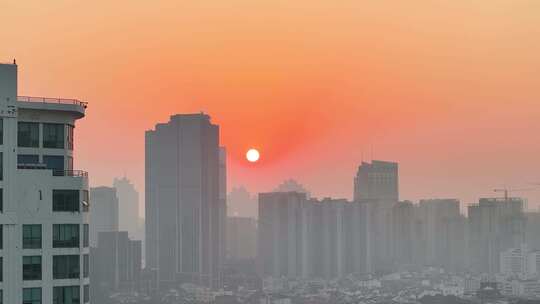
(449, 89)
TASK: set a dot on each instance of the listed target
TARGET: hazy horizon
(448, 90)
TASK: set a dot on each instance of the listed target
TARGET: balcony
(55, 172)
(52, 100)
(77, 107)
(70, 173)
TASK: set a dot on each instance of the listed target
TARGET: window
(1, 236)
(66, 267)
(66, 295)
(27, 159)
(31, 268)
(69, 137)
(31, 295)
(1, 297)
(1, 143)
(28, 134)
(66, 200)
(53, 136)
(86, 235)
(65, 236)
(1, 202)
(86, 294)
(31, 236)
(54, 162)
(86, 265)
(1, 166)
(1, 269)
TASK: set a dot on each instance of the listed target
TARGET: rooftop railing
(52, 100)
(72, 173)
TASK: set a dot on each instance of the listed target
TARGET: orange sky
(450, 89)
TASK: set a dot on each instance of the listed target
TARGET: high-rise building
(301, 238)
(282, 244)
(184, 212)
(404, 233)
(443, 232)
(532, 237)
(104, 212)
(241, 238)
(376, 184)
(513, 261)
(128, 204)
(494, 225)
(241, 203)
(377, 180)
(115, 265)
(44, 204)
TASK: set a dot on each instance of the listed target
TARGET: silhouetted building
(376, 184)
(128, 202)
(282, 242)
(290, 185)
(377, 180)
(532, 237)
(115, 265)
(104, 212)
(185, 213)
(443, 231)
(404, 233)
(311, 238)
(241, 203)
(241, 238)
(494, 225)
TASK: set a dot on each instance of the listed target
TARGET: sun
(252, 155)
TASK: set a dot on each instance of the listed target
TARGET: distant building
(494, 225)
(513, 261)
(185, 209)
(241, 238)
(301, 238)
(282, 241)
(290, 185)
(532, 237)
(128, 204)
(115, 265)
(104, 212)
(376, 184)
(377, 180)
(405, 234)
(241, 203)
(44, 201)
(443, 234)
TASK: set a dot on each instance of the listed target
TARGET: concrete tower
(43, 201)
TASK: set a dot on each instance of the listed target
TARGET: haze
(449, 89)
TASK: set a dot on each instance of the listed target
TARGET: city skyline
(297, 79)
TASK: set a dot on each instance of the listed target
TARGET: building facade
(128, 205)
(377, 180)
(44, 233)
(104, 213)
(241, 238)
(185, 217)
(115, 265)
(494, 225)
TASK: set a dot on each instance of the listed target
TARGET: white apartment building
(43, 201)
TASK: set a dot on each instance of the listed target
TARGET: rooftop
(52, 100)
(55, 104)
